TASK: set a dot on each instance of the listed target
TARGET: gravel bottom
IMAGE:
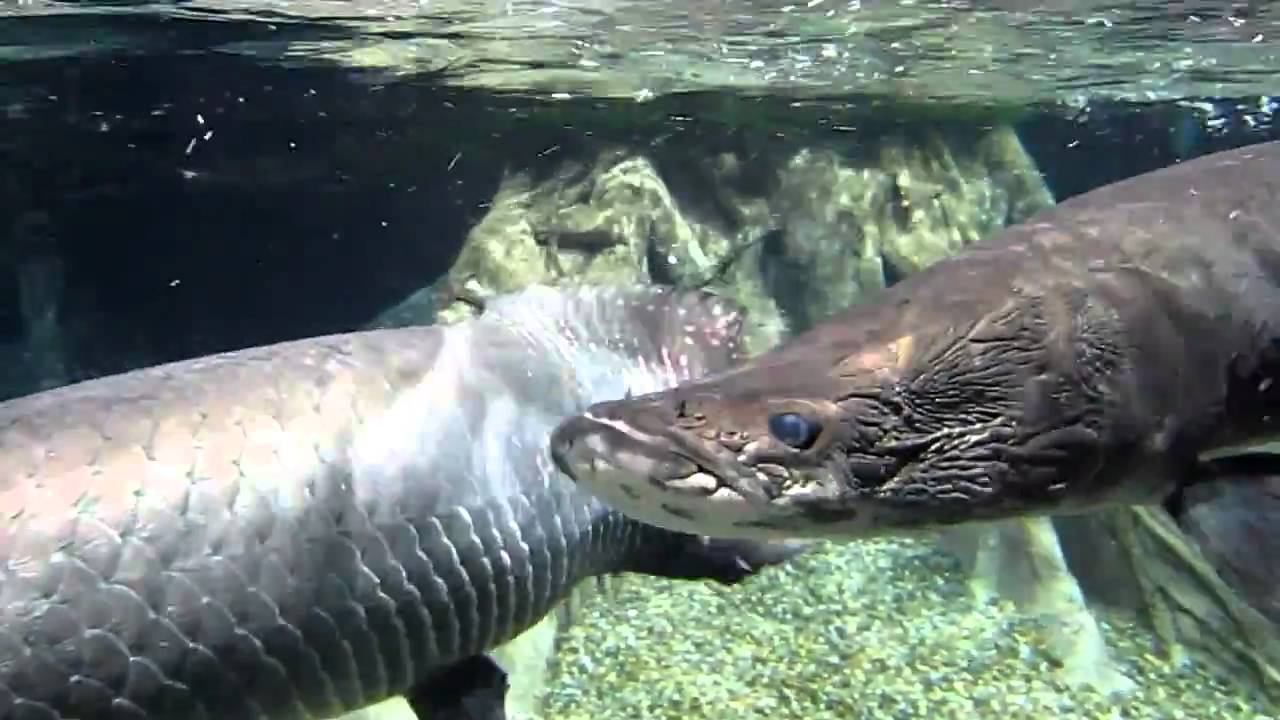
(870, 630)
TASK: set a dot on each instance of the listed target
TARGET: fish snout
(588, 451)
(651, 479)
(582, 446)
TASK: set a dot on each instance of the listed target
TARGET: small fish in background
(309, 528)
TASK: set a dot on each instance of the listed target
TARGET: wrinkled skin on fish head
(775, 448)
(1113, 350)
(853, 437)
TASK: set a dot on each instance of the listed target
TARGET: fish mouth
(654, 480)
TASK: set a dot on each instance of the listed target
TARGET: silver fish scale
(239, 636)
(299, 530)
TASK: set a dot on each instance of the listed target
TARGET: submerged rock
(1235, 526)
(853, 223)
(792, 237)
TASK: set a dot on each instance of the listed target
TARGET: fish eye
(794, 430)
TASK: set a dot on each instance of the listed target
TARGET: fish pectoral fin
(1211, 477)
(471, 689)
(1236, 467)
(726, 561)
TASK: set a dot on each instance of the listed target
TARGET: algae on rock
(807, 239)
(610, 219)
(851, 225)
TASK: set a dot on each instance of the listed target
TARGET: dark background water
(208, 200)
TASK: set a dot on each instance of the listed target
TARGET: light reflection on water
(1011, 51)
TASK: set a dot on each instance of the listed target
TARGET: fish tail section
(722, 560)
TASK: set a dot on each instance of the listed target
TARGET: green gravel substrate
(869, 630)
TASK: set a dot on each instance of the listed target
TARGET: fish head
(870, 425)
(755, 452)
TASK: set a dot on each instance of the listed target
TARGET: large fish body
(303, 529)
(1107, 351)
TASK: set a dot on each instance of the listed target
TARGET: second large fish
(303, 529)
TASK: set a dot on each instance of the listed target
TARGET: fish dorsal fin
(633, 338)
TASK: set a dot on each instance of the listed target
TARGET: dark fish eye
(794, 430)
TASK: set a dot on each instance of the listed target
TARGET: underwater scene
(621, 359)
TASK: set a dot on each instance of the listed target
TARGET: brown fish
(1094, 355)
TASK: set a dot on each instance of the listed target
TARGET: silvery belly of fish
(1115, 349)
(303, 529)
